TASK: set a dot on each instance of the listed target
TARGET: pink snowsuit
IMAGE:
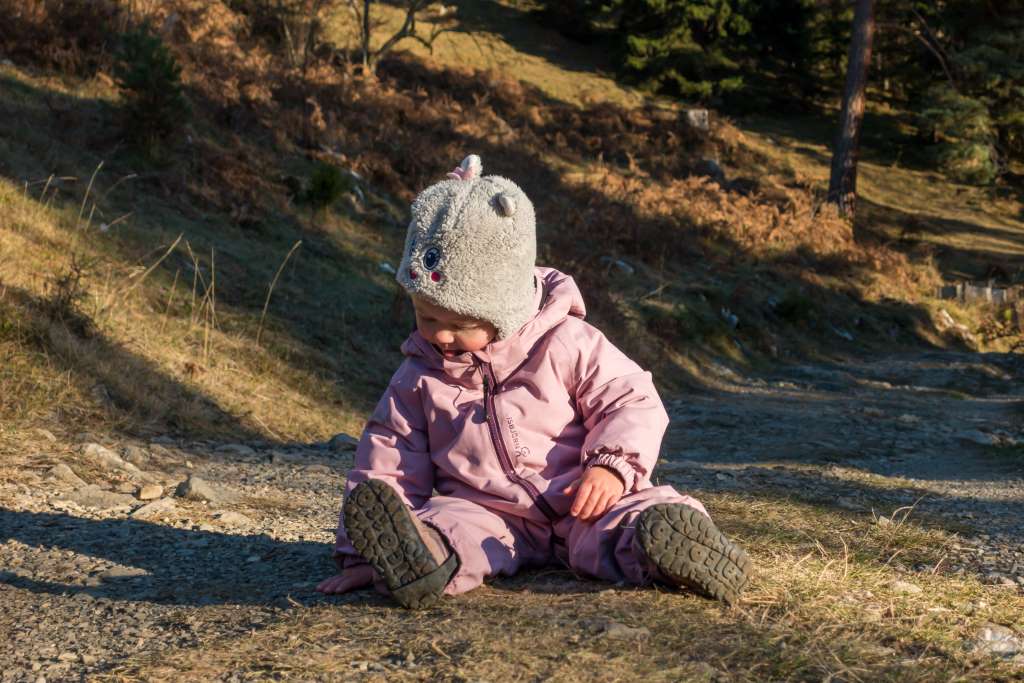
(498, 433)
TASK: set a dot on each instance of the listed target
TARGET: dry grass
(823, 606)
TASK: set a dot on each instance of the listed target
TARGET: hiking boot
(413, 560)
(684, 548)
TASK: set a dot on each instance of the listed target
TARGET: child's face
(450, 332)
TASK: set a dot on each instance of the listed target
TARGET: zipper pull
(486, 384)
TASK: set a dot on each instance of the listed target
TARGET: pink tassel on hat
(470, 168)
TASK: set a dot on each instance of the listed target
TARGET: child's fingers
(590, 502)
(605, 501)
(352, 579)
(568, 490)
(586, 489)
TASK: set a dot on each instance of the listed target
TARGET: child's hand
(596, 492)
(352, 578)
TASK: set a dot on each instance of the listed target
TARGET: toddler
(514, 433)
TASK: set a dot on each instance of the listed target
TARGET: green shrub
(796, 307)
(967, 151)
(150, 78)
(326, 185)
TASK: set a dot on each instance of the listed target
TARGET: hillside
(609, 178)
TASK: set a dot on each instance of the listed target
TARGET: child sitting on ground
(514, 433)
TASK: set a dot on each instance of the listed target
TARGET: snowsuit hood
(557, 297)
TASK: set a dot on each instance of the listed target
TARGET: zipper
(490, 416)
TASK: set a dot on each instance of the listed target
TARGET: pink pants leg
(604, 548)
(488, 544)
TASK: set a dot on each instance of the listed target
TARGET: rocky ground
(109, 550)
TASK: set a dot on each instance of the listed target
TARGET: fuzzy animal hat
(472, 248)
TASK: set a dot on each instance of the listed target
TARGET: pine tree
(688, 48)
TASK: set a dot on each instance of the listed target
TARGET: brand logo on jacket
(520, 450)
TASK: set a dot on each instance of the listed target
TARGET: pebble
(342, 443)
(905, 587)
(997, 640)
(92, 496)
(46, 434)
(109, 460)
(155, 509)
(150, 491)
(64, 473)
(136, 456)
(980, 438)
(616, 631)
(195, 488)
(117, 573)
(848, 503)
(232, 518)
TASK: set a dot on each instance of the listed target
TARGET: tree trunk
(366, 36)
(842, 185)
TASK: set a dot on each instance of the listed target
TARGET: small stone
(319, 469)
(1000, 579)
(848, 503)
(63, 473)
(157, 449)
(342, 443)
(150, 492)
(232, 518)
(46, 434)
(905, 587)
(195, 488)
(997, 640)
(136, 456)
(698, 119)
(109, 460)
(67, 657)
(236, 449)
(980, 438)
(616, 631)
(883, 521)
(119, 573)
(155, 509)
(711, 169)
(279, 458)
(93, 496)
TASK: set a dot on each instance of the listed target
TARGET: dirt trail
(86, 585)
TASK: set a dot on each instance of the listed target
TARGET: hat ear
(506, 205)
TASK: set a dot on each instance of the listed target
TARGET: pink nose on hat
(435, 276)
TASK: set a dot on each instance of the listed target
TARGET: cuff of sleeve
(614, 461)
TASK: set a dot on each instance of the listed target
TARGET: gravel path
(90, 573)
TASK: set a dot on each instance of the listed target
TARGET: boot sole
(381, 529)
(688, 549)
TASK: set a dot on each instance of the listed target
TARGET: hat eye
(430, 258)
